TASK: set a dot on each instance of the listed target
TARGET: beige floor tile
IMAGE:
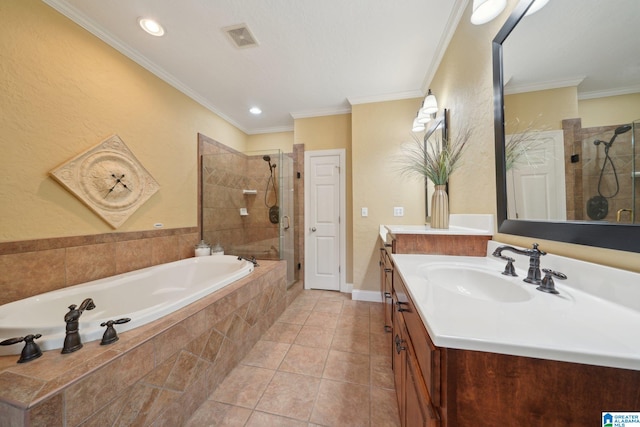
(350, 367)
(334, 295)
(314, 336)
(212, 413)
(380, 344)
(356, 308)
(381, 372)
(304, 360)
(294, 315)
(351, 322)
(384, 408)
(290, 395)
(341, 404)
(243, 386)
(266, 354)
(304, 303)
(351, 341)
(329, 306)
(324, 320)
(262, 419)
(282, 332)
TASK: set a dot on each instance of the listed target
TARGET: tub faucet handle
(30, 352)
(110, 335)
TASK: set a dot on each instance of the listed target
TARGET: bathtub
(142, 295)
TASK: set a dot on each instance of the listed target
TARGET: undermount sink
(475, 282)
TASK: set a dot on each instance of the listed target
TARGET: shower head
(619, 130)
(622, 129)
(266, 158)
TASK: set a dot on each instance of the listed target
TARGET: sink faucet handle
(547, 285)
(509, 269)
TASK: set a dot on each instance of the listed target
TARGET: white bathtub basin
(474, 281)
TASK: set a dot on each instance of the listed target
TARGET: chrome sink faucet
(533, 274)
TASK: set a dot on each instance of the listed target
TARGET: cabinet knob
(399, 342)
(399, 305)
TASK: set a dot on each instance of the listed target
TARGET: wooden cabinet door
(419, 411)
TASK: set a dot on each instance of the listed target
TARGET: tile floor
(325, 362)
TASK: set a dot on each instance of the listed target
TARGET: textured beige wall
(63, 91)
(463, 83)
(379, 129)
(330, 133)
(612, 110)
(270, 141)
(544, 109)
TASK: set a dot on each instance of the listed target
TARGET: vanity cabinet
(447, 387)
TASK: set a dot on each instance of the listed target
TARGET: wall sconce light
(417, 126)
(485, 10)
(426, 112)
(430, 104)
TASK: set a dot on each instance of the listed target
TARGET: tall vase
(440, 207)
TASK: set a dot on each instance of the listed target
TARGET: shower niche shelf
(249, 191)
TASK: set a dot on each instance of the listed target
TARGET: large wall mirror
(576, 180)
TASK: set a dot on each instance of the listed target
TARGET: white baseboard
(347, 288)
(371, 296)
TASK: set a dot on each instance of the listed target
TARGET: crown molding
(91, 26)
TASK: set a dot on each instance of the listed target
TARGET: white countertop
(598, 328)
(459, 224)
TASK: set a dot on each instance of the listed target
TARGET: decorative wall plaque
(108, 179)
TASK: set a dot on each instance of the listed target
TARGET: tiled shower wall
(36, 266)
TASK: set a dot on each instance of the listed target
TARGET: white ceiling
(591, 44)
(313, 58)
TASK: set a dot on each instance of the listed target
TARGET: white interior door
(536, 184)
(323, 231)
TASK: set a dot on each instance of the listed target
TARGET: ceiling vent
(240, 36)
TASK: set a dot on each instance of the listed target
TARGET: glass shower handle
(288, 222)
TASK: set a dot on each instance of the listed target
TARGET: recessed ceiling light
(151, 27)
(255, 110)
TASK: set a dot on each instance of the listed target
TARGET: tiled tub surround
(33, 267)
(157, 374)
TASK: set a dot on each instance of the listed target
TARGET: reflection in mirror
(566, 96)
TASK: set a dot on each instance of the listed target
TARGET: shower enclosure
(610, 176)
(248, 205)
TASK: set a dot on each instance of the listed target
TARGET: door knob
(313, 229)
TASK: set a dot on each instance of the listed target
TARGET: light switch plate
(364, 212)
(398, 211)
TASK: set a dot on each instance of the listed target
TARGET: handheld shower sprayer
(267, 159)
(618, 131)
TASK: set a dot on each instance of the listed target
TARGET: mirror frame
(602, 235)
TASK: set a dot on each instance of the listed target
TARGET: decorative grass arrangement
(435, 158)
